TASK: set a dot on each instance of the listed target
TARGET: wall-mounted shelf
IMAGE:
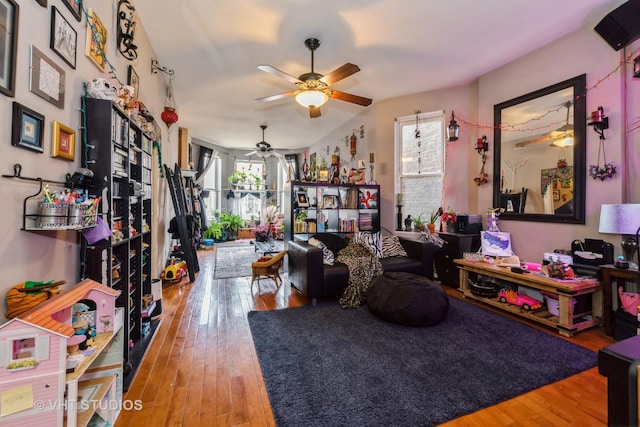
(32, 220)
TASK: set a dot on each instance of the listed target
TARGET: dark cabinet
(456, 244)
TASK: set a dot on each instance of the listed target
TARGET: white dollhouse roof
(41, 315)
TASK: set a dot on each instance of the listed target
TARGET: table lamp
(622, 219)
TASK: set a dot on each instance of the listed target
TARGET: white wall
(55, 255)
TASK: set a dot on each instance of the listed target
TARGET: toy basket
(553, 305)
(483, 288)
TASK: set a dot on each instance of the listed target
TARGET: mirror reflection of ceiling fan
(314, 88)
(561, 137)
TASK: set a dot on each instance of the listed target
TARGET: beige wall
(55, 255)
(581, 52)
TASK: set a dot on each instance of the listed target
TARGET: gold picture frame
(63, 142)
(96, 48)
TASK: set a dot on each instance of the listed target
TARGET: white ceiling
(402, 47)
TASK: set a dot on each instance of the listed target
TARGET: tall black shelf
(120, 155)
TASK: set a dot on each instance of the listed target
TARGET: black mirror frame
(578, 84)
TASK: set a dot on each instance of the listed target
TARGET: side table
(612, 276)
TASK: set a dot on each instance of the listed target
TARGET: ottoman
(407, 299)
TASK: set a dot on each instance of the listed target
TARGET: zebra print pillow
(373, 241)
(391, 246)
(327, 256)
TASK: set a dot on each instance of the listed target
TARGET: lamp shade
(312, 98)
(620, 219)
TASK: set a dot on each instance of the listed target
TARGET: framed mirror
(539, 166)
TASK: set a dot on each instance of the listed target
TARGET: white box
(553, 256)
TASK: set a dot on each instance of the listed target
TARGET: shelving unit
(330, 208)
(120, 156)
(567, 322)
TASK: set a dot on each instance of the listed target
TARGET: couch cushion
(408, 299)
(327, 256)
(391, 246)
(332, 241)
(397, 263)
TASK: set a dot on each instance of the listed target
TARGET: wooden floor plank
(202, 368)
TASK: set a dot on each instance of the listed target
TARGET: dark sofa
(313, 278)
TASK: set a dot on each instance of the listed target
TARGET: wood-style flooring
(202, 370)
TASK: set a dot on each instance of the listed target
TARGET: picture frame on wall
(75, 6)
(64, 39)
(96, 48)
(42, 3)
(63, 141)
(47, 78)
(134, 81)
(27, 128)
(302, 199)
(293, 172)
(9, 35)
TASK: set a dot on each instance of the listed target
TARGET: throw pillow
(373, 241)
(327, 256)
(391, 246)
(332, 241)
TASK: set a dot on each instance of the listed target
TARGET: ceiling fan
(264, 149)
(314, 88)
(561, 137)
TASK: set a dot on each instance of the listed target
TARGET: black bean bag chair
(407, 299)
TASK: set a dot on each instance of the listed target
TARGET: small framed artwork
(96, 48)
(42, 3)
(330, 201)
(556, 195)
(565, 184)
(302, 199)
(64, 39)
(63, 141)
(27, 128)
(134, 81)
(323, 175)
(9, 42)
(75, 6)
(47, 78)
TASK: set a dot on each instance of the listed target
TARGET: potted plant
(262, 232)
(213, 232)
(418, 223)
(231, 224)
(448, 217)
(435, 214)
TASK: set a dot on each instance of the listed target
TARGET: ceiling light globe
(312, 98)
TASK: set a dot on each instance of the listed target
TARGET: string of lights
(524, 126)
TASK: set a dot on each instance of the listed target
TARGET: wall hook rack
(599, 121)
(155, 67)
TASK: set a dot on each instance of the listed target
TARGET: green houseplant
(214, 231)
(231, 224)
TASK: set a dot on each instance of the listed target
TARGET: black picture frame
(49, 86)
(134, 81)
(42, 3)
(9, 33)
(64, 38)
(302, 199)
(27, 128)
(292, 165)
(75, 6)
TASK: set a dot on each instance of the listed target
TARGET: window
(419, 144)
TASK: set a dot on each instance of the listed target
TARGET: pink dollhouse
(33, 356)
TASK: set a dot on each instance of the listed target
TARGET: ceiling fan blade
(314, 113)
(537, 140)
(275, 97)
(343, 96)
(251, 153)
(271, 70)
(340, 73)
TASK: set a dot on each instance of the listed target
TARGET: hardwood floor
(202, 370)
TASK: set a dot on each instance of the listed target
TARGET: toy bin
(553, 305)
(52, 215)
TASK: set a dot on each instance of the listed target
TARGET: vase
(444, 226)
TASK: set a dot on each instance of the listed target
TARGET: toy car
(520, 299)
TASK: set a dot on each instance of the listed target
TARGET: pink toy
(629, 301)
(520, 299)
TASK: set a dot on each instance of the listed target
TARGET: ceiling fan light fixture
(564, 142)
(311, 98)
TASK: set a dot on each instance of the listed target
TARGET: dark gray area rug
(329, 366)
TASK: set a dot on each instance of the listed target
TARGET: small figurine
(407, 223)
(492, 219)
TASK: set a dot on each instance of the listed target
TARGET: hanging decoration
(126, 30)
(482, 146)
(169, 115)
(352, 144)
(417, 135)
(600, 123)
